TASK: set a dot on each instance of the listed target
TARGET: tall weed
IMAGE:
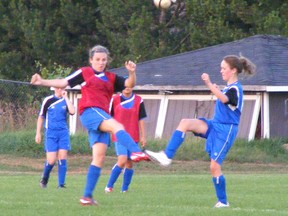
(266, 150)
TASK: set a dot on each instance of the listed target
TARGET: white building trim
(266, 116)
(277, 88)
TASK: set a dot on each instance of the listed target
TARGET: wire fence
(19, 105)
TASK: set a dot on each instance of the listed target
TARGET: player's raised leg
(165, 157)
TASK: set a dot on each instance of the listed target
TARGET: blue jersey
(54, 110)
(230, 112)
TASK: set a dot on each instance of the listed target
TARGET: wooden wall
(164, 113)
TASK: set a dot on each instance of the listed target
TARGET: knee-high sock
(62, 169)
(127, 178)
(174, 143)
(92, 179)
(126, 140)
(47, 170)
(116, 170)
(220, 188)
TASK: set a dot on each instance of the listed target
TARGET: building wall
(278, 104)
(164, 113)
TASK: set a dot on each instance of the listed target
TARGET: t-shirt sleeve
(76, 78)
(119, 84)
(142, 111)
(232, 96)
(44, 108)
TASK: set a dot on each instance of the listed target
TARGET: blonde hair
(99, 49)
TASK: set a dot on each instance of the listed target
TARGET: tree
(61, 31)
(46, 31)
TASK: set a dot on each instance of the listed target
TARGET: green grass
(169, 194)
(256, 176)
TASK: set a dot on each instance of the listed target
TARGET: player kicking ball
(219, 132)
(97, 88)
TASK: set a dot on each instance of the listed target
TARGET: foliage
(265, 150)
(22, 143)
(45, 31)
(61, 32)
(19, 105)
(56, 71)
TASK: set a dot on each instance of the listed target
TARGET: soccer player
(53, 115)
(219, 132)
(127, 108)
(97, 88)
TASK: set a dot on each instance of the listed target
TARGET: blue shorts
(219, 139)
(56, 140)
(91, 119)
(122, 150)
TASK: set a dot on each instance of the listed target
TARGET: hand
(143, 142)
(64, 94)
(38, 138)
(130, 66)
(205, 77)
(36, 79)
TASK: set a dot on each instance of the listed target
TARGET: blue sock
(47, 170)
(127, 177)
(62, 169)
(174, 143)
(126, 140)
(91, 181)
(116, 171)
(220, 188)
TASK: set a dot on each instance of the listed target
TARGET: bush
(22, 143)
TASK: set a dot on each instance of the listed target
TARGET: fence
(19, 105)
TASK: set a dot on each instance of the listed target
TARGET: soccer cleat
(160, 157)
(43, 183)
(139, 156)
(125, 191)
(108, 189)
(87, 201)
(221, 205)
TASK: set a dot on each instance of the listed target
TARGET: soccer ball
(164, 4)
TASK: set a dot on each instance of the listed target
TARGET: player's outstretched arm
(57, 83)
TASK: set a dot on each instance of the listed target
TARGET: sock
(126, 140)
(62, 169)
(93, 175)
(127, 177)
(47, 170)
(220, 188)
(174, 143)
(116, 170)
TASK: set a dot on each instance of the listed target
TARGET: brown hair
(241, 63)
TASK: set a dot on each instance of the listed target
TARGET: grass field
(183, 189)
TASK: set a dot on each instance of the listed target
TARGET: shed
(172, 88)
